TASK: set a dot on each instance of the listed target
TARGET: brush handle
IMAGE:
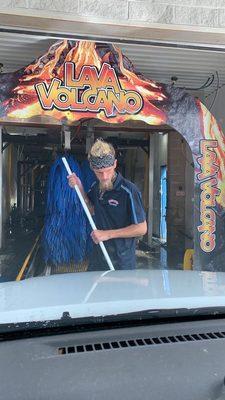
(90, 219)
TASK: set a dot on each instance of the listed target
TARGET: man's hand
(131, 231)
(100, 236)
(74, 180)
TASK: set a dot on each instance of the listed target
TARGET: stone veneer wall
(201, 13)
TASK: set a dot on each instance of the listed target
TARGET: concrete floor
(14, 254)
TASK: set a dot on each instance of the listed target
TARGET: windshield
(112, 198)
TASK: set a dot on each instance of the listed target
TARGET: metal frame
(194, 45)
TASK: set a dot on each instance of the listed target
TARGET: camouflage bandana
(102, 162)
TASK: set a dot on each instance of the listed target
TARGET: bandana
(102, 162)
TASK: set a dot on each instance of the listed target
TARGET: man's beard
(104, 186)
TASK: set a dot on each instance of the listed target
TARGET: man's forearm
(130, 231)
(75, 181)
(88, 202)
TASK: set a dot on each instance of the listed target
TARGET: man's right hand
(74, 180)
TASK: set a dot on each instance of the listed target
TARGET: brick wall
(200, 13)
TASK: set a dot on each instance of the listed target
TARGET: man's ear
(115, 163)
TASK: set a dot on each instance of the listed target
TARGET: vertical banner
(210, 181)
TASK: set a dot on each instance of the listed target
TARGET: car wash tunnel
(166, 141)
(30, 154)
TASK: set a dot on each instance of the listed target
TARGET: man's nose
(105, 176)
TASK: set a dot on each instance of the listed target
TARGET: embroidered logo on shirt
(113, 202)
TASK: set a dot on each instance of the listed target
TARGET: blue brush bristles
(66, 235)
(88, 175)
(89, 178)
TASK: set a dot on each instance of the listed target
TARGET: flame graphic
(23, 104)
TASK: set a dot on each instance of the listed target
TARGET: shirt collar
(118, 181)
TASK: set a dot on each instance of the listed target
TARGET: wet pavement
(12, 258)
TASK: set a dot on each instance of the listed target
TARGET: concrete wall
(180, 212)
(201, 13)
(189, 198)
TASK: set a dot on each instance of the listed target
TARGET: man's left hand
(100, 236)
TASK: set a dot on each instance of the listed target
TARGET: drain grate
(139, 342)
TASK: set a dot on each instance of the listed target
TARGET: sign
(89, 92)
(209, 191)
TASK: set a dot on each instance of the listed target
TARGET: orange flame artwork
(74, 81)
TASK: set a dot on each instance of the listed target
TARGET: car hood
(108, 293)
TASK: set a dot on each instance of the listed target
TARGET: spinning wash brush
(66, 234)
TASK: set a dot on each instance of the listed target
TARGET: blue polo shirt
(114, 209)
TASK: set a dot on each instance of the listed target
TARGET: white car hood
(108, 293)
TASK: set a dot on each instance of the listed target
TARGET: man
(117, 209)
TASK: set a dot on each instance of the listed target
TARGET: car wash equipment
(66, 229)
(88, 214)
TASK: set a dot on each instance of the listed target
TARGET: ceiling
(191, 67)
